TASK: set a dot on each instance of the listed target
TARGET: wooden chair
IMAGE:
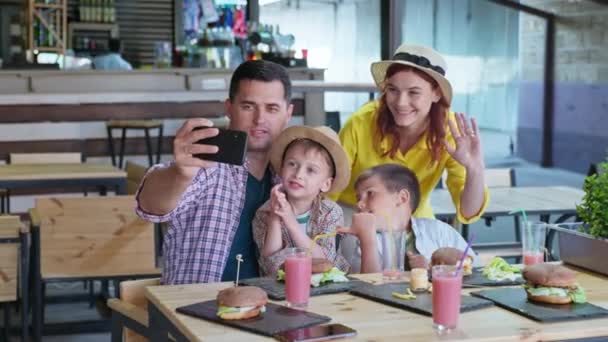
(88, 238)
(14, 261)
(135, 174)
(130, 312)
(36, 158)
(45, 158)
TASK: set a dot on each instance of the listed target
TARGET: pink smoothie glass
(447, 284)
(533, 242)
(298, 270)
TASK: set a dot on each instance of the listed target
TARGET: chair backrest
(132, 291)
(135, 173)
(495, 178)
(92, 237)
(44, 158)
(9, 258)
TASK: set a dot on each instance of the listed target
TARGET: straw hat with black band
(418, 57)
(327, 138)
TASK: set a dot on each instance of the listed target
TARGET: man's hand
(417, 261)
(185, 146)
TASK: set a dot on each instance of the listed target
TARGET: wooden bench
(14, 262)
(88, 238)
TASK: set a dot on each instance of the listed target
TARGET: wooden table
(375, 321)
(19, 176)
(541, 200)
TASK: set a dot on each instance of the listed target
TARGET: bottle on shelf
(112, 12)
(99, 12)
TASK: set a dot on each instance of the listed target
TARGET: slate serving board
(478, 279)
(422, 304)
(516, 300)
(276, 319)
(276, 289)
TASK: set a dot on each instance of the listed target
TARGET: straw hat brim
(378, 70)
(322, 135)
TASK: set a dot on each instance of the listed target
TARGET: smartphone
(316, 333)
(231, 144)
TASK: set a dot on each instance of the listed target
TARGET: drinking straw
(523, 214)
(525, 219)
(465, 253)
(239, 259)
(391, 242)
(317, 237)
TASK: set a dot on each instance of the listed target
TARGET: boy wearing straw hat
(391, 193)
(311, 162)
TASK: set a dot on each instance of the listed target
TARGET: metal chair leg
(25, 289)
(159, 144)
(111, 146)
(123, 140)
(7, 321)
(91, 293)
(117, 327)
(148, 146)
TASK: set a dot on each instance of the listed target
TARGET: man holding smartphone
(210, 205)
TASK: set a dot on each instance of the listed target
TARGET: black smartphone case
(232, 146)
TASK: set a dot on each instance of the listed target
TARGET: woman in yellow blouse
(411, 124)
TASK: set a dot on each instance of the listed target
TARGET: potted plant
(585, 243)
(594, 209)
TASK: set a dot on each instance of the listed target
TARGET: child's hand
(417, 261)
(274, 193)
(363, 226)
(281, 207)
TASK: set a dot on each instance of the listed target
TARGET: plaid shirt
(203, 225)
(326, 215)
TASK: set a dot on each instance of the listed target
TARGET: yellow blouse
(357, 139)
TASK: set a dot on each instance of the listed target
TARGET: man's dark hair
(263, 71)
(114, 45)
(395, 178)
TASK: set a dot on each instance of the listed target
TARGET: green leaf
(593, 209)
(578, 295)
(280, 275)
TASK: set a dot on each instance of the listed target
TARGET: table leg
(160, 327)
(37, 308)
(25, 292)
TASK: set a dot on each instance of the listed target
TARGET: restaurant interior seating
(130, 312)
(36, 158)
(124, 126)
(87, 238)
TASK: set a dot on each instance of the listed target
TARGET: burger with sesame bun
(241, 302)
(552, 284)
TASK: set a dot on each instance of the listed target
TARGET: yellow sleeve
(348, 139)
(455, 184)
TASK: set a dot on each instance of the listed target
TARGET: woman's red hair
(386, 125)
